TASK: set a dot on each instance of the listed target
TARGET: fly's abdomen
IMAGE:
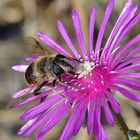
(45, 68)
(30, 74)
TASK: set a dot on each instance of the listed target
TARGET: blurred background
(21, 18)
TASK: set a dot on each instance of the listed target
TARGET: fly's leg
(35, 92)
(60, 79)
(54, 82)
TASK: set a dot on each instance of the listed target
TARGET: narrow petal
(24, 92)
(130, 21)
(20, 68)
(41, 107)
(132, 67)
(79, 34)
(118, 24)
(129, 27)
(126, 55)
(98, 129)
(104, 135)
(108, 114)
(129, 75)
(32, 58)
(90, 116)
(132, 52)
(60, 113)
(127, 5)
(129, 84)
(67, 39)
(43, 94)
(27, 126)
(128, 62)
(82, 115)
(127, 93)
(31, 99)
(120, 55)
(91, 30)
(101, 135)
(97, 117)
(71, 123)
(114, 104)
(50, 42)
(46, 117)
(103, 26)
(137, 82)
(119, 39)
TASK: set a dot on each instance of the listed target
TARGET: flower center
(93, 78)
(85, 68)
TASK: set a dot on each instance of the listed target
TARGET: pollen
(93, 79)
(85, 68)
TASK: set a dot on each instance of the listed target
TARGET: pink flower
(102, 71)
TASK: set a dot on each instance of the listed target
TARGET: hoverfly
(47, 68)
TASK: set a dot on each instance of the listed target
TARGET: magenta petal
(120, 55)
(82, 115)
(91, 30)
(132, 52)
(32, 58)
(50, 42)
(108, 114)
(20, 68)
(117, 26)
(127, 5)
(97, 117)
(104, 136)
(31, 113)
(122, 31)
(90, 116)
(130, 75)
(29, 100)
(127, 93)
(66, 37)
(55, 117)
(27, 125)
(124, 56)
(114, 104)
(136, 82)
(129, 27)
(67, 132)
(24, 92)
(132, 67)
(126, 63)
(128, 84)
(79, 34)
(103, 26)
(48, 117)
(98, 129)
(101, 135)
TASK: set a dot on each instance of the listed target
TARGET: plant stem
(121, 124)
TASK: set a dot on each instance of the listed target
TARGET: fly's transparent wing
(34, 46)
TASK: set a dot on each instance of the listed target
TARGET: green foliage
(133, 135)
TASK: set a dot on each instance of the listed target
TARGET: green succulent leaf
(133, 135)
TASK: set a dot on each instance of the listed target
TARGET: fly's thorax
(66, 68)
(64, 64)
(44, 64)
